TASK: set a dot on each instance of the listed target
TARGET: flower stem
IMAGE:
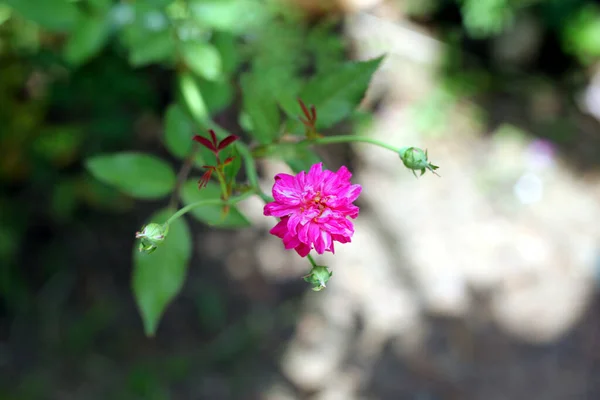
(352, 138)
(312, 261)
(208, 202)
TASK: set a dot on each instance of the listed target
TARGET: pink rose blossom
(314, 208)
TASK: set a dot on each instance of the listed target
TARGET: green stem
(312, 261)
(209, 202)
(352, 138)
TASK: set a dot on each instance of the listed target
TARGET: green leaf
(337, 93)
(86, 40)
(232, 169)
(211, 215)
(139, 175)
(178, 131)
(217, 94)
(53, 15)
(192, 97)
(203, 59)
(261, 108)
(236, 16)
(298, 156)
(158, 277)
(229, 51)
(153, 47)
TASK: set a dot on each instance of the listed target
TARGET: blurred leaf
(203, 59)
(232, 169)
(261, 108)
(193, 98)
(152, 47)
(298, 156)
(137, 174)
(483, 18)
(337, 93)
(158, 277)
(228, 49)
(211, 215)
(58, 144)
(218, 95)
(86, 40)
(229, 15)
(582, 34)
(54, 15)
(178, 131)
(101, 5)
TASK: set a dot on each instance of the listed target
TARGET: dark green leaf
(229, 51)
(217, 94)
(137, 174)
(54, 15)
(154, 47)
(158, 277)
(86, 40)
(337, 93)
(262, 109)
(178, 131)
(211, 215)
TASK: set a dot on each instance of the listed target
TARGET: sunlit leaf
(203, 59)
(229, 15)
(192, 96)
(212, 215)
(137, 174)
(159, 276)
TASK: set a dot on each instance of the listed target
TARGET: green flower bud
(151, 236)
(415, 159)
(318, 277)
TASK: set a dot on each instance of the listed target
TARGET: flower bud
(415, 159)
(318, 277)
(151, 236)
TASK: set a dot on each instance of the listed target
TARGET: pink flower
(314, 208)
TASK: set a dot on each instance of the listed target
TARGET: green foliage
(211, 215)
(192, 98)
(335, 94)
(236, 16)
(178, 131)
(261, 108)
(158, 277)
(53, 15)
(484, 18)
(582, 34)
(137, 174)
(86, 40)
(203, 59)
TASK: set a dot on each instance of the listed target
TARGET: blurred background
(481, 284)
